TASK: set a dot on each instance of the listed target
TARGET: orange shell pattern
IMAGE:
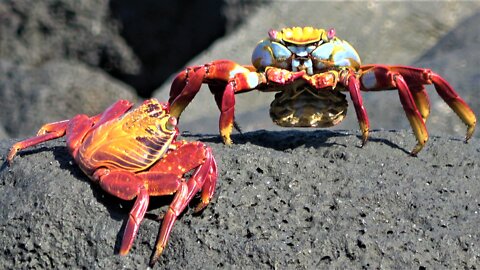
(133, 142)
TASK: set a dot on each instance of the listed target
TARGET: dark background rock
(139, 43)
(36, 32)
(164, 35)
(285, 199)
(56, 90)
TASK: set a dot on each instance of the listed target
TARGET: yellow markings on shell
(299, 35)
(132, 142)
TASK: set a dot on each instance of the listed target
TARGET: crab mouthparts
(299, 64)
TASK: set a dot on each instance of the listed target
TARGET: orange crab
(134, 154)
(309, 68)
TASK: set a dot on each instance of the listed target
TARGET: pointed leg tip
(201, 206)
(123, 251)
(156, 255)
(364, 142)
(469, 134)
(415, 150)
(10, 157)
(227, 140)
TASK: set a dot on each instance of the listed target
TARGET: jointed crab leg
(58, 129)
(409, 81)
(164, 178)
(353, 85)
(234, 77)
(184, 88)
(204, 173)
(126, 185)
(412, 112)
(458, 105)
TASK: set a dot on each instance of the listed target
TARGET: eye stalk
(171, 123)
(274, 35)
(331, 33)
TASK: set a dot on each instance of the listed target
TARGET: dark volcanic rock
(140, 43)
(34, 32)
(56, 90)
(286, 199)
(166, 34)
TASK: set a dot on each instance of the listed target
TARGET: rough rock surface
(382, 32)
(285, 199)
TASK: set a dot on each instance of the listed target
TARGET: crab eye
(171, 123)
(273, 34)
(331, 33)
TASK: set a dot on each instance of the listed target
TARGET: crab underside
(300, 105)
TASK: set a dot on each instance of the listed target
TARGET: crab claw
(282, 76)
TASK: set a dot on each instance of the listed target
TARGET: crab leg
(412, 112)
(383, 77)
(234, 77)
(210, 183)
(415, 79)
(205, 173)
(126, 185)
(58, 129)
(184, 88)
(353, 84)
(458, 105)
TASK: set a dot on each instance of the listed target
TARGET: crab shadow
(295, 138)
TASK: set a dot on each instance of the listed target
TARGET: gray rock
(36, 32)
(56, 90)
(164, 35)
(138, 43)
(382, 32)
(285, 199)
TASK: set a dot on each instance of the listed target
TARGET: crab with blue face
(310, 69)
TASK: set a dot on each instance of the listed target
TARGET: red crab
(309, 68)
(134, 154)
